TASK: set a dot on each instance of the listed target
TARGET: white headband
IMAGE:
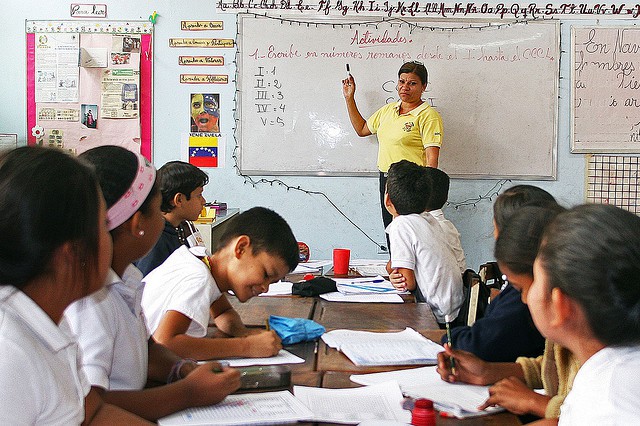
(130, 202)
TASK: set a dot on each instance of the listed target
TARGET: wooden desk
(374, 316)
(256, 310)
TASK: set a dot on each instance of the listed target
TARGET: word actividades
(201, 60)
(204, 79)
(417, 8)
(201, 42)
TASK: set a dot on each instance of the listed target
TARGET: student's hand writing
(264, 344)
(207, 385)
(398, 280)
(469, 368)
(348, 87)
(512, 394)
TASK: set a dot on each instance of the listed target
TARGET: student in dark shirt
(507, 331)
(181, 185)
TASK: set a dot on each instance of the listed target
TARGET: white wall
(312, 218)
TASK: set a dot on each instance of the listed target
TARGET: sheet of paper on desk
(365, 285)
(459, 399)
(244, 409)
(354, 405)
(336, 296)
(368, 348)
(281, 288)
(283, 357)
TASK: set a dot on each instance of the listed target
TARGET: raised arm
(357, 120)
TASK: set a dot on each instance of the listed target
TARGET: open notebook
(458, 399)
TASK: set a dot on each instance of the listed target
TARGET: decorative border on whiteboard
(111, 27)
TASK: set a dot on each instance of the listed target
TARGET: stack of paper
(457, 399)
(370, 267)
(245, 409)
(352, 406)
(367, 348)
(283, 357)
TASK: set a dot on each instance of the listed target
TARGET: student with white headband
(118, 355)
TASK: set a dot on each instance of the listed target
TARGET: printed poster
(120, 96)
(56, 67)
(204, 149)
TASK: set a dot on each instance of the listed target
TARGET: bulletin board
(90, 84)
(605, 80)
(494, 84)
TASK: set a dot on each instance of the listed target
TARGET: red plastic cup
(341, 261)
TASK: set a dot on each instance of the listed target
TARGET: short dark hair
(408, 187)
(178, 177)
(267, 231)
(116, 168)
(415, 67)
(439, 186)
(517, 196)
(519, 239)
(47, 198)
(592, 253)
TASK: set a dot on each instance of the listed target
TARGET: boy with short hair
(181, 185)
(257, 249)
(420, 256)
(438, 198)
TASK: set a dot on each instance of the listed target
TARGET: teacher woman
(409, 129)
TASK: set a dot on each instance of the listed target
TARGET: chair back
(476, 298)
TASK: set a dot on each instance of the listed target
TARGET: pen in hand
(447, 320)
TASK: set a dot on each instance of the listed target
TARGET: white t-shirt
(418, 243)
(183, 283)
(111, 330)
(40, 373)
(606, 390)
(453, 238)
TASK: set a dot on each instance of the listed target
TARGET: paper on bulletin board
(203, 149)
(56, 67)
(119, 90)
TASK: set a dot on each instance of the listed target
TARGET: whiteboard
(605, 81)
(494, 85)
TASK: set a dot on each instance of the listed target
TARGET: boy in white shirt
(420, 256)
(437, 199)
(257, 249)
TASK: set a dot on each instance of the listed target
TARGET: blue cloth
(295, 330)
(168, 242)
(504, 333)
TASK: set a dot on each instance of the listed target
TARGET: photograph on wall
(89, 114)
(205, 112)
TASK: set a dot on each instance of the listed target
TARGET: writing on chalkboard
(606, 89)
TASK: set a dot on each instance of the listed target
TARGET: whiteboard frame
(368, 19)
